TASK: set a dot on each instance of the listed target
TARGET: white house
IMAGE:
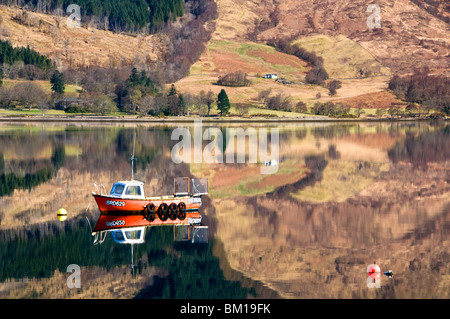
(271, 76)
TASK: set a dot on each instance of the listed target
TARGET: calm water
(343, 197)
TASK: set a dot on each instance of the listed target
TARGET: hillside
(226, 56)
(363, 59)
(75, 47)
(412, 34)
(409, 36)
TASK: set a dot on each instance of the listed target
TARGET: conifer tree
(57, 81)
(223, 103)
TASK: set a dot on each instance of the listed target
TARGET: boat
(128, 204)
(126, 211)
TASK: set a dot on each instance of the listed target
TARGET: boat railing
(101, 189)
(99, 237)
(185, 186)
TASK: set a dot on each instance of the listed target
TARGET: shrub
(333, 86)
(75, 109)
(235, 79)
(300, 107)
(332, 110)
(279, 103)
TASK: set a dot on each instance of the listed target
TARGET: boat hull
(111, 222)
(114, 205)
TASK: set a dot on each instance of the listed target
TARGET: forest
(120, 15)
(10, 55)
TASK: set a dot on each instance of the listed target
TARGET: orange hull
(109, 222)
(113, 205)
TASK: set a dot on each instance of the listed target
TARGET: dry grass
(49, 35)
(343, 58)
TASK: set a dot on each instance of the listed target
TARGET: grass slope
(343, 57)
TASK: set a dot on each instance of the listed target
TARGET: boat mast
(132, 158)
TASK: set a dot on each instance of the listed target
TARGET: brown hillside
(76, 47)
(409, 35)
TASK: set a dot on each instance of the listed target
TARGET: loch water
(343, 196)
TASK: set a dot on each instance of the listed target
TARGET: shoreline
(131, 119)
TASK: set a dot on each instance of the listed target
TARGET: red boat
(128, 198)
(126, 211)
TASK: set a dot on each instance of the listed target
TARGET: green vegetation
(115, 15)
(9, 182)
(331, 109)
(223, 104)
(57, 81)
(9, 55)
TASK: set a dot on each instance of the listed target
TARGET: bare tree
(207, 99)
(30, 95)
(148, 105)
(7, 96)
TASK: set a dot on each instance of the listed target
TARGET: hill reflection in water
(345, 195)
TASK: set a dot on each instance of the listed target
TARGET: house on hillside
(273, 76)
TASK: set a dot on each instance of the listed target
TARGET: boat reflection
(192, 231)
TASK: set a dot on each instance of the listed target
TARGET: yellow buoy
(62, 214)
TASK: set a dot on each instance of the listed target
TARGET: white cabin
(132, 235)
(128, 189)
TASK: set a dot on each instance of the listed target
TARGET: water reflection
(344, 196)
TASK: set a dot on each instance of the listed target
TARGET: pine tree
(133, 79)
(1, 76)
(172, 101)
(140, 80)
(57, 81)
(223, 103)
(172, 91)
(181, 105)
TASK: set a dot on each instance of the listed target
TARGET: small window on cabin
(133, 190)
(117, 189)
(133, 234)
(118, 236)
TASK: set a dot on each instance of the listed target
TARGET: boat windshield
(117, 189)
(133, 190)
(136, 234)
(118, 236)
